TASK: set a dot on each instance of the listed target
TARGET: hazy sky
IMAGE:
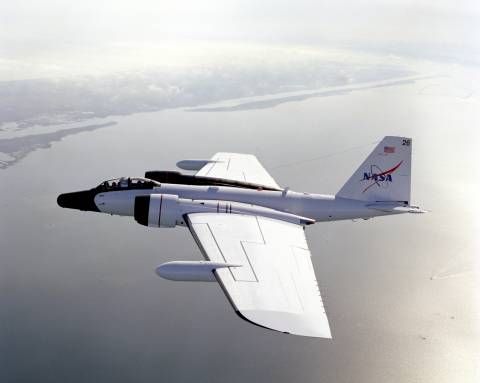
(44, 34)
(52, 22)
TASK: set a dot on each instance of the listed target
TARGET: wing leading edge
(275, 286)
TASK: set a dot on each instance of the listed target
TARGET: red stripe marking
(390, 170)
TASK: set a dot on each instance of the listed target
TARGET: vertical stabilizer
(384, 175)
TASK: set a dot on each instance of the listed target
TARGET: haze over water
(80, 300)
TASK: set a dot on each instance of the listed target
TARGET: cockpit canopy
(128, 183)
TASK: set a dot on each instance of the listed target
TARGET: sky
(42, 38)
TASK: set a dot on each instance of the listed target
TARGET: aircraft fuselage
(315, 206)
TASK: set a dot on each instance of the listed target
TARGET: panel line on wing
(260, 229)
(219, 249)
(249, 263)
(299, 296)
(237, 167)
(206, 246)
(241, 271)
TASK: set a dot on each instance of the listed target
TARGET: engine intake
(158, 210)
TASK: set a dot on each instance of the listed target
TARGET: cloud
(183, 78)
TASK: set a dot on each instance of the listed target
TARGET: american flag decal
(389, 149)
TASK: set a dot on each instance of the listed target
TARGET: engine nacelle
(158, 210)
(166, 210)
(190, 270)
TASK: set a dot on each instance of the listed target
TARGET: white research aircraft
(250, 230)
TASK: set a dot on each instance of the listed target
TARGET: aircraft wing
(238, 167)
(274, 285)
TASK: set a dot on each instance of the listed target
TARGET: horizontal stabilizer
(388, 207)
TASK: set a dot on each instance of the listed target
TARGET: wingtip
(288, 323)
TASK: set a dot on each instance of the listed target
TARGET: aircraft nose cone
(81, 200)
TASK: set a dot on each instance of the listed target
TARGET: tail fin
(384, 175)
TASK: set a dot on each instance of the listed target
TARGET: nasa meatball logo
(379, 177)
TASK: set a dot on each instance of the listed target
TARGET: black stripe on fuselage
(187, 179)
